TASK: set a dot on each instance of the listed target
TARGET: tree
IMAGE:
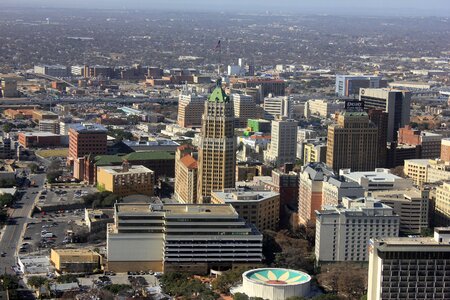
(227, 280)
(295, 298)
(37, 281)
(348, 280)
(7, 127)
(6, 200)
(240, 296)
(117, 288)
(7, 183)
(33, 167)
(52, 176)
(67, 278)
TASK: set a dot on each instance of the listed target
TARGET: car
(26, 238)
(3, 254)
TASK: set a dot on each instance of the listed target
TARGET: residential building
(395, 102)
(277, 107)
(352, 143)
(343, 231)
(87, 139)
(410, 268)
(349, 85)
(261, 208)
(126, 180)
(75, 261)
(186, 174)
(180, 238)
(283, 145)
(217, 147)
(190, 108)
(442, 205)
(244, 109)
(411, 205)
(379, 179)
(322, 108)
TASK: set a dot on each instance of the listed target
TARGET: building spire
(219, 95)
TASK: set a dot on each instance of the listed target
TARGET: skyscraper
(190, 108)
(283, 146)
(217, 147)
(353, 143)
(244, 109)
(86, 139)
(395, 102)
(380, 119)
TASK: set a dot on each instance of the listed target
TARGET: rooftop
(84, 127)
(379, 175)
(116, 170)
(277, 276)
(40, 133)
(178, 209)
(237, 195)
(189, 162)
(219, 95)
(103, 160)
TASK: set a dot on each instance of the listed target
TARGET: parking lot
(120, 278)
(55, 225)
(63, 195)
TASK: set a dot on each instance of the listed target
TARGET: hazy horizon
(332, 7)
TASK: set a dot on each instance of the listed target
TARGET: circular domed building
(275, 283)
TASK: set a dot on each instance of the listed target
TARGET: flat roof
(244, 195)
(40, 133)
(116, 170)
(374, 176)
(179, 209)
(79, 251)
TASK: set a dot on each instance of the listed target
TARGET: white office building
(283, 145)
(277, 106)
(380, 179)
(343, 231)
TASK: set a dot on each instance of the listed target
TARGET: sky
(342, 7)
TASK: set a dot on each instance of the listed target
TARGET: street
(12, 233)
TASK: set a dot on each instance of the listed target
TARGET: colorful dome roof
(275, 276)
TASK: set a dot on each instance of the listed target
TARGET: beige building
(427, 170)
(445, 149)
(277, 107)
(352, 143)
(186, 175)
(260, 208)
(442, 205)
(244, 108)
(126, 180)
(190, 109)
(75, 260)
(322, 108)
(49, 126)
(180, 238)
(217, 146)
(411, 205)
(283, 145)
(314, 152)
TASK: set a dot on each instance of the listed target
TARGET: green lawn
(53, 153)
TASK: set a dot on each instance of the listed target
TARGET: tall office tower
(410, 268)
(244, 109)
(186, 174)
(283, 146)
(445, 149)
(349, 85)
(380, 119)
(352, 143)
(280, 106)
(190, 109)
(343, 232)
(86, 139)
(395, 102)
(217, 146)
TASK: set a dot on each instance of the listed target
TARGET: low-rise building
(180, 237)
(40, 139)
(75, 260)
(379, 179)
(97, 219)
(410, 268)
(126, 180)
(423, 171)
(343, 231)
(260, 208)
(32, 265)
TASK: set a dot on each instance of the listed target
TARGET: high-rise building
(411, 205)
(352, 143)
(261, 208)
(319, 186)
(343, 232)
(283, 145)
(349, 85)
(244, 109)
(190, 109)
(442, 205)
(217, 146)
(87, 139)
(410, 268)
(126, 180)
(277, 107)
(315, 151)
(8, 87)
(380, 119)
(180, 238)
(186, 174)
(395, 102)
